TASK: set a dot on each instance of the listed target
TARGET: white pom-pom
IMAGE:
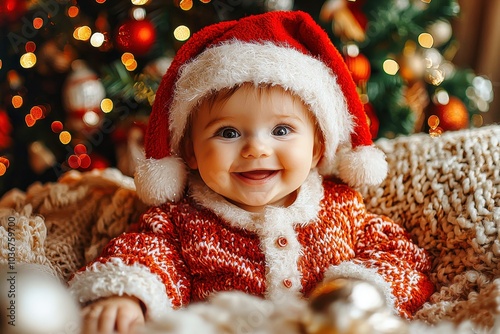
(364, 165)
(159, 181)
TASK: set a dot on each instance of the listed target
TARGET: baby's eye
(229, 133)
(281, 130)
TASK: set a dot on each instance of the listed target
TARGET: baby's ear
(187, 153)
(318, 151)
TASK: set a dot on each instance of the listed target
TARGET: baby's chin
(259, 203)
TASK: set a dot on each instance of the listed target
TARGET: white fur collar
(302, 211)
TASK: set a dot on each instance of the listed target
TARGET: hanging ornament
(452, 115)
(440, 31)
(136, 36)
(372, 119)
(360, 68)
(5, 130)
(12, 10)
(348, 20)
(82, 95)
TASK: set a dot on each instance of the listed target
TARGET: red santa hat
(288, 49)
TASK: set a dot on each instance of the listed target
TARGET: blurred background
(78, 77)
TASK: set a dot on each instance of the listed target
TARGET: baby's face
(255, 148)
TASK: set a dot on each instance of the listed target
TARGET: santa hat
(288, 49)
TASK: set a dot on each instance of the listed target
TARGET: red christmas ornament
(453, 115)
(5, 130)
(11, 10)
(372, 119)
(360, 68)
(136, 37)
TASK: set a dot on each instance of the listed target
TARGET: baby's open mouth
(257, 174)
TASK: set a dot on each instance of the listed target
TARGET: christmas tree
(78, 78)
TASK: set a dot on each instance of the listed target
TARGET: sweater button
(287, 283)
(282, 242)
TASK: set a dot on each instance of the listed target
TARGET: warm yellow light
(82, 33)
(425, 40)
(106, 105)
(28, 60)
(65, 137)
(186, 4)
(97, 39)
(182, 33)
(139, 2)
(17, 101)
(1, 64)
(131, 65)
(3, 169)
(73, 11)
(126, 58)
(204, 1)
(390, 66)
(37, 23)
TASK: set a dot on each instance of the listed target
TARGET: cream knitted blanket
(444, 190)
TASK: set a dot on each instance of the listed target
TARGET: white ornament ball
(36, 303)
(441, 31)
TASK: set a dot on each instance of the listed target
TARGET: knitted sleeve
(386, 246)
(146, 264)
(386, 256)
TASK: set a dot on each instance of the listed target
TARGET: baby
(256, 137)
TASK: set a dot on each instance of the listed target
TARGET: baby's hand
(117, 314)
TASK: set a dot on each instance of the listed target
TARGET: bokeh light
(73, 11)
(17, 101)
(182, 33)
(426, 40)
(65, 137)
(30, 120)
(186, 4)
(36, 112)
(97, 39)
(30, 46)
(28, 60)
(37, 23)
(390, 66)
(56, 126)
(80, 149)
(106, 105)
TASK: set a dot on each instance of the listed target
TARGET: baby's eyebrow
(218, 120)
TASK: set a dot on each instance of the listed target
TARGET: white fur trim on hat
(158, 181)
(234, 63)
(363, 165)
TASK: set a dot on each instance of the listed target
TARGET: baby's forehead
(258, 92)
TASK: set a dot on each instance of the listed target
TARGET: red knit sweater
(195, 252)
